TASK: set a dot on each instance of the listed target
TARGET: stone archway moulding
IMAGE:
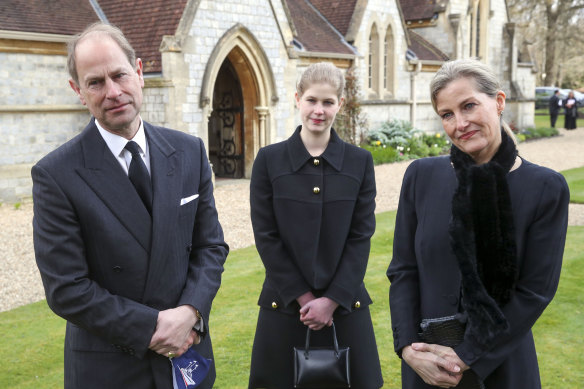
(240, 37)
(239, 46)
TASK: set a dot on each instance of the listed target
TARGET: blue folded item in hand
(189, 370)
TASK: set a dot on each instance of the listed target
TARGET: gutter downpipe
(413, 96)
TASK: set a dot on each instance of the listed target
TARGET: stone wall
(38, 113)
(155, 99)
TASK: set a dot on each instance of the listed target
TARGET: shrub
(397, 140)
(539, 132)
(438, 143)
(382, 154)
(393, 133)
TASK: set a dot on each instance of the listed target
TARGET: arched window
(373, 65)
(478, 34)
(388, 58)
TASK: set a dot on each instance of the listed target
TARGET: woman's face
(471, 118)
(318, 107)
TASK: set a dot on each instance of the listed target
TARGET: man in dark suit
(555, 103)
(133, 270)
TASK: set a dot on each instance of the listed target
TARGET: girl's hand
(318, 313)
(305, 298)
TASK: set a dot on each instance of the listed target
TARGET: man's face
(109, 85)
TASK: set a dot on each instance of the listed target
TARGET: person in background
(555, 104)
(312, 211)
(570, 111)
(478, 246)
(126, 234)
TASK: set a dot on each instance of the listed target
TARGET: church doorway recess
(226, 134)
(237, 92)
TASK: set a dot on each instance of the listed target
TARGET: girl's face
(471, 118)
(318, 107)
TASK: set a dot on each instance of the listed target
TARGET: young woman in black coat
(312, 210)
(478, 246)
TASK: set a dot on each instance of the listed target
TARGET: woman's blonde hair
(321, 72)
(471, 68)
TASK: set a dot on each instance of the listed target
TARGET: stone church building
(226, 70)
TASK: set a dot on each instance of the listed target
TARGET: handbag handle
(335, 342)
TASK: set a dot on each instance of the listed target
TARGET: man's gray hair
(102, 29)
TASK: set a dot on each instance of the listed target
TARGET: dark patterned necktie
(138, 174)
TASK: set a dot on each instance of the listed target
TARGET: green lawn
(32, 342)
(575, 179)
(544, 120)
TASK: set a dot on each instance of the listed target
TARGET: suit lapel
(167, 191)
(104, 175)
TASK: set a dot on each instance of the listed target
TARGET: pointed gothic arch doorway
(238, 67)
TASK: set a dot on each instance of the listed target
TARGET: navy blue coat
(425, 279)
(108, 268)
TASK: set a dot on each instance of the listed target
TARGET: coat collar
(105, 176)
(333, 153)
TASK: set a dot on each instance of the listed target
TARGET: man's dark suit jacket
(553, 105)
(108, 268)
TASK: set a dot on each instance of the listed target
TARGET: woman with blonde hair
(478, 246)
(312, 210)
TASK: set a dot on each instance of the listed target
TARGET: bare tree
(556, 37)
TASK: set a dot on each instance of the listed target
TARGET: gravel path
(20, 282)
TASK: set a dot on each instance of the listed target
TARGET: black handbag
(321, 367)
(449, 331)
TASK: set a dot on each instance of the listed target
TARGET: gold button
(358, 304)
(316, 190)
(316, 162)
(274, 304)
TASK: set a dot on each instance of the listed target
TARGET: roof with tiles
(315, 33)
(144, 22)
(63, 17)
(422, 9)
(425, 50)
(338, 12)
(319, 23)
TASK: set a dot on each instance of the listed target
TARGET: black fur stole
(482, 236)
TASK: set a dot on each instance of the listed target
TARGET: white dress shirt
(117, 143)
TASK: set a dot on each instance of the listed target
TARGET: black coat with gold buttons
(313, 218)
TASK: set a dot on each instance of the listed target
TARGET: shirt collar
(333, 153)
(117, 143)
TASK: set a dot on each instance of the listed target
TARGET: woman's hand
(318, 313)
(443, 352)
(305, 298)
(434, 364)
